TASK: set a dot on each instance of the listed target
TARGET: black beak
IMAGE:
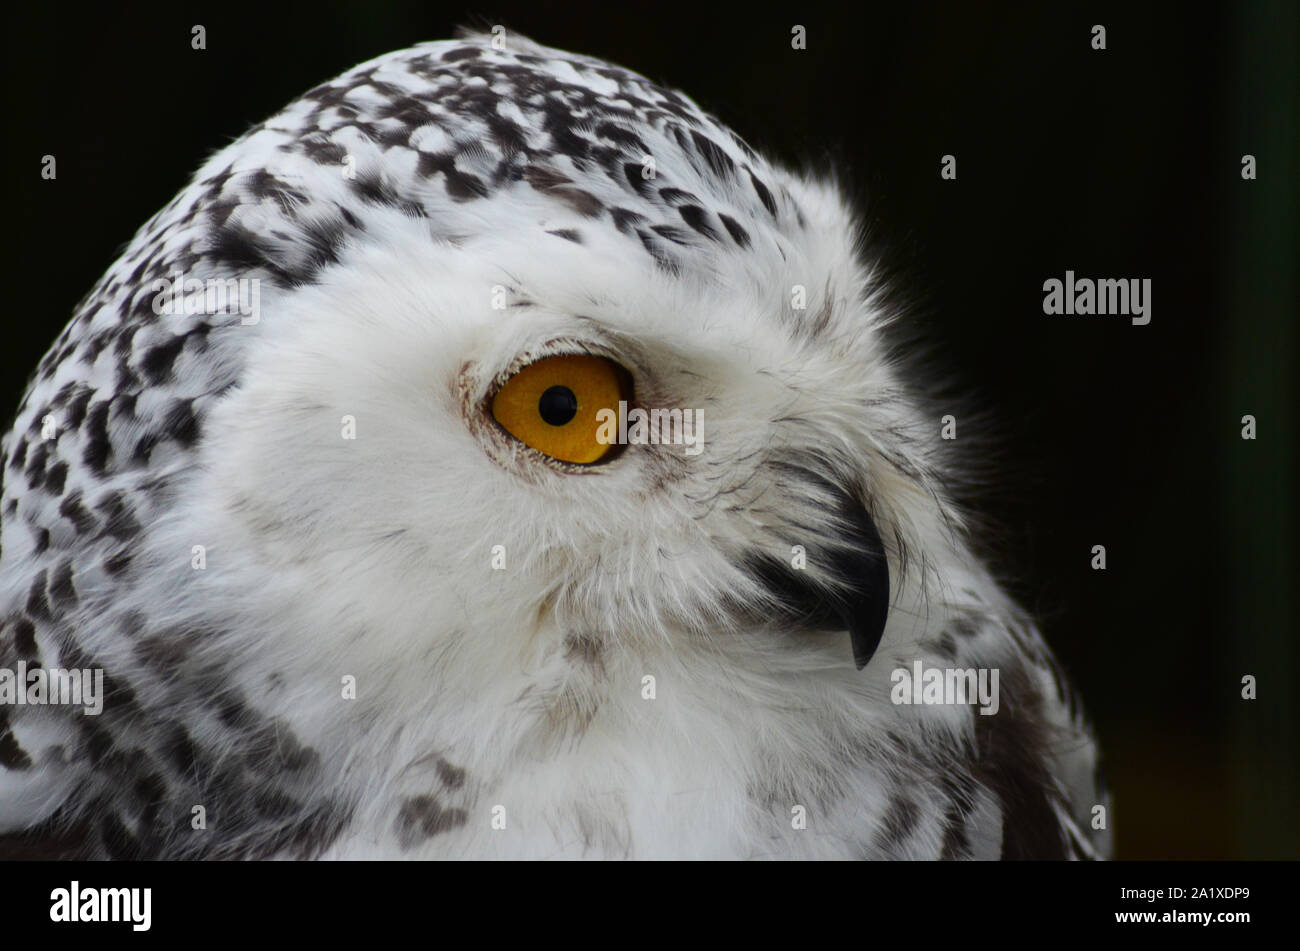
(846, 583)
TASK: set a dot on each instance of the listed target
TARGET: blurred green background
(1117, 163)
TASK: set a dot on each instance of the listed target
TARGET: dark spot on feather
(453, 777)
(12, 756)
(117, 563)
(460, 54)
(180, 423)
(95, 738)
(119, 521)
(97, 447)
(764, 195)
(900, 819)
(55, 477)
(25, 638)
(61, 589)
(632, 172)
(76, 410)
(37, 606)
(583, 648)
(72, 509)
(422, 817)
(179, 749)
(542, 177)
(738, 234)
(158, 362)
(698, 218)
(676, 235)
(626, 221)
(719, 161)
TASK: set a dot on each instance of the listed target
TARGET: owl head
(484, 352)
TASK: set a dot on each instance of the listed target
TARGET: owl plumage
(342, 612)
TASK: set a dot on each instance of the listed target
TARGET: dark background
(1121, 163)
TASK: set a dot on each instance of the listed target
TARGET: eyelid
(554, 347)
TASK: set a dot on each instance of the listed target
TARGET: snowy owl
(492, 455)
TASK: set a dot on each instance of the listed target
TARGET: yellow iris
(552, 405)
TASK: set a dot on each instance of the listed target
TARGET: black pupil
(558, 405)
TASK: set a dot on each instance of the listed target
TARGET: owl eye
(554, 406)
